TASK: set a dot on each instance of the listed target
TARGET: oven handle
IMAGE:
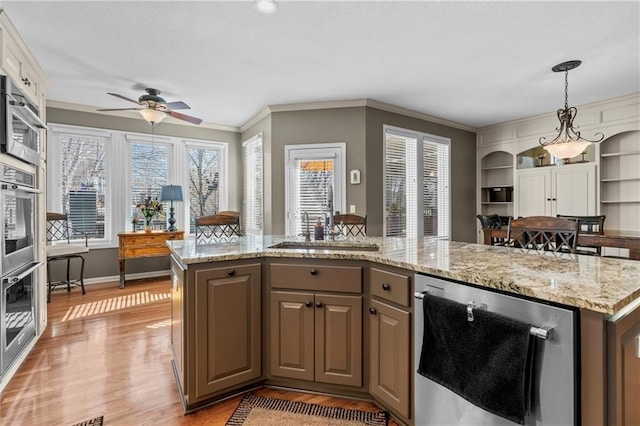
(34, 117)
(14, 279)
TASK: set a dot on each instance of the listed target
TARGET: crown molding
(132, 115)
(351, 103)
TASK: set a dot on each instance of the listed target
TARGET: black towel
(487, 361)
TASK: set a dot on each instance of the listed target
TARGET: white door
(313, 172)
(574, 190)
(533, 193)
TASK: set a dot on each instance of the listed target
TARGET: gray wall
(315, 126)
(463, 171)
(104, 262)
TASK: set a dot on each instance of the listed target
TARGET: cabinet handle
(386, 287)
(548, 199)
(308, 303)
(373, 311)
(314, 272)
(318, 304)
(231, 273)
(553, 199)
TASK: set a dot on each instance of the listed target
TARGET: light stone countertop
(596, 283)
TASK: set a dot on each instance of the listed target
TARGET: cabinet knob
(386, 286)
(318, 304)
(231, 272)
(373, 311)
(314, 272)
(548, 199)
(308, 303)
(553, 199)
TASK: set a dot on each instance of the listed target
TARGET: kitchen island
(248, 279)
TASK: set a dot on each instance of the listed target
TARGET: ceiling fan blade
(184, 117)
(124, 97)
(119, 109)
(177, 105)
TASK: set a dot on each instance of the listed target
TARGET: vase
(147, 225)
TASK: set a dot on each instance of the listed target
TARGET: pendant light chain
(566, 89)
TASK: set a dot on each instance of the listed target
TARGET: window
(79, 167)
(416, 184)
(149, 171)
(204, 168)
(252, 211)
(311, 170)
(97, 176)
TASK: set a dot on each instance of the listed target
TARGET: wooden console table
(134, 245)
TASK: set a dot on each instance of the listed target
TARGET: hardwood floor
(107, 353)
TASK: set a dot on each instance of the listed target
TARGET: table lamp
(171, 193)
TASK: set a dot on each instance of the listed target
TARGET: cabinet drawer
(344, 279)
(391, 286)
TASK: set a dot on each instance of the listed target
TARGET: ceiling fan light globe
(152, 115)
(266, 7)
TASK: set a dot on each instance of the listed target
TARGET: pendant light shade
(152, 115)
(568, 143)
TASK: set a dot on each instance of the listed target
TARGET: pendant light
(568, 143)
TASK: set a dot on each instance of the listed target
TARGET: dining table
(610, 238)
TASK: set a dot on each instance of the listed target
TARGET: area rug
(92, 422)
(263, 411)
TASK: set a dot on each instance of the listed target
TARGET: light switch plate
(352, 208)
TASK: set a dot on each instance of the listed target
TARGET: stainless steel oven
(17, 312)
(17, 227)
(21, 124)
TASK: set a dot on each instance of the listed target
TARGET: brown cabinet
(316, 335)
(177, 320)
(227, 325)
(623, 336)
(389, 340)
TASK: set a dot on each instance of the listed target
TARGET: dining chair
(588, 225)
(59, 247)
(494, 221)
(219, 227)
(351, 225)
(543, 233)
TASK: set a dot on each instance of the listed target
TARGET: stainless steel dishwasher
(555, 389)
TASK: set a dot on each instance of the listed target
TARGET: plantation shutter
(435, 205)
(253, 213)
(149, 172)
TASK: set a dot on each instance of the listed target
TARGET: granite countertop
(595, 283)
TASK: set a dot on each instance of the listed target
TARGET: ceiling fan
(154, 108)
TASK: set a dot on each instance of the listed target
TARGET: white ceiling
(475, 63)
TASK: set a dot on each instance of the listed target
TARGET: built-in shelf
(497, 202)
(496, 167)
(620, 179)
(620, 202)
(619, 154)
(498, 186)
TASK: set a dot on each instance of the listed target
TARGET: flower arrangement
(149, 208)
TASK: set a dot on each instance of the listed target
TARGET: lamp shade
(567, 149)
(171, 193)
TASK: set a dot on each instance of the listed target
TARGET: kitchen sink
(326, 245)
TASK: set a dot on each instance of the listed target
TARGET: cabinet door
(389, 354)
(338, 339)
(533, 193)
(574, 190)
(292, 316)
(227, 328)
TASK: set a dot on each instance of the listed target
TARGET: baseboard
(137, 276)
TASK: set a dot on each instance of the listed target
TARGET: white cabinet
(17, 62)
(547, 191)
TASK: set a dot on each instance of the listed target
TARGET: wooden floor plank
(107, 353)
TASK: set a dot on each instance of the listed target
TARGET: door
(292, 344)
(315, 178)
(533, 193)
(338, 339)
(574, 190)
(389, 356)
(227, 328)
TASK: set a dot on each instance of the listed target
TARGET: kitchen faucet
(330, 225)
(306, 232)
